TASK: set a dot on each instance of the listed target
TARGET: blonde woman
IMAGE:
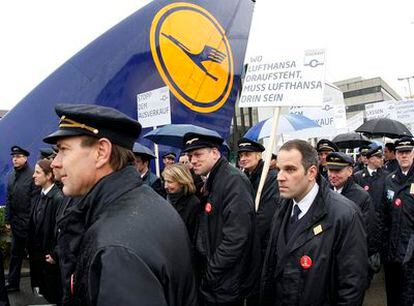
(180, 188)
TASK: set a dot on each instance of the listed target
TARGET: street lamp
(408, 80)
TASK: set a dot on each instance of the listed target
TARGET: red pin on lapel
(305, 262)
(397, 202)
(208, 208)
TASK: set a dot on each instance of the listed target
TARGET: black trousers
(394, 279)
(4, 300)
(17, 254)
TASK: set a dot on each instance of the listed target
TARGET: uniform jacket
(268, 201)
(154, 182)
(407, 298)
(362, 199)
(70, 227)
(20, 189)
(399, 214)
(135, 250)
(42, 241)
(325, 261)
(226, 238)
(375, 185)
(391, 165)
(188, 206)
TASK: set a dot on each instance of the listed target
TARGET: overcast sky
(362, 38)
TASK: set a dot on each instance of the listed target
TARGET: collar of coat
(401, 178)
(257, 172)
(107, 190)
(220, 163)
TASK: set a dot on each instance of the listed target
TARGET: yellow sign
(193, 56)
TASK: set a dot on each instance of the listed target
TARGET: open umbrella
(350, 140)
(172, 134)
(384, 127)
(287, 123)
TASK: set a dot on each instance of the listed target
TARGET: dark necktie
(374, 173)
(296, 212)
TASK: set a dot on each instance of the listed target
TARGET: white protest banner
(377, 110)
(403, 111)
(295, 78)
(154, 107)
(355, 121)
(332, 114)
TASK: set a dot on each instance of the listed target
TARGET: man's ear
(313, 172)
(103, 151)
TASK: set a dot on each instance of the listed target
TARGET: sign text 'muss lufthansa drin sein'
(266, 78)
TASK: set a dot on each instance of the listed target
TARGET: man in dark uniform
(225, 241)
(391, 163)
(372, 179)
(340, 168)
(20, 188)
(125, 256)
(168, 158)
(399, 221)
(361, 162)
(143, 157)
(324, 147)
(317, 252)
(250, 160)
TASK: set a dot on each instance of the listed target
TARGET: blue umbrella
(172, 134)
(287, 124)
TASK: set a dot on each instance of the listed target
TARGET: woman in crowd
(180, 188)
(44, 268)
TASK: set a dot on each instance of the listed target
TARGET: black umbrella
(381, 127)
(350, 140)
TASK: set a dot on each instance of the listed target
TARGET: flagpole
(157, 160)
(268, 156)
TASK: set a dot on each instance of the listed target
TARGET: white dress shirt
(307, 201)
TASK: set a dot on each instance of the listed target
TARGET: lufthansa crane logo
(192, 55)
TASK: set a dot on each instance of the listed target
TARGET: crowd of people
(101, 229)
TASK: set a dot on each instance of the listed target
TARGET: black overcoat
(375, 185)
(42, 242)
(20, 189)
(226, 238)
(135, 250)
(323, 264)
(362, 199)
(268, 201)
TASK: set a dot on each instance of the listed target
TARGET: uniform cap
(404, 144)
(247, 145)
(47, 152)
(374, 151)
(338, 161)
(363, 150)
(326, 145)
(19, 150)
(193, 141)
(171, 155)
(96, 121)
(143, 151)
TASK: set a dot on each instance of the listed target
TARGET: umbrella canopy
(287, 123)
(172, 134)
(381, 127)
(350, 140)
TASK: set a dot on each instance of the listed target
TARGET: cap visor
(55, 136)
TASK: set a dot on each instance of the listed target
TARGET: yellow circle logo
(192, 55)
